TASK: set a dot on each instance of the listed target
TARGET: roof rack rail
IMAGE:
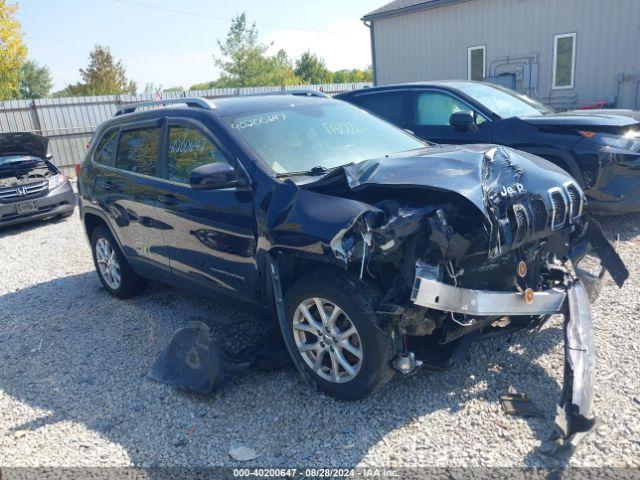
(194, 102)
(300, 93)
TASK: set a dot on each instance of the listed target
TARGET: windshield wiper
(318, 170)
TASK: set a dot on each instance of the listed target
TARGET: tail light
(77, 167)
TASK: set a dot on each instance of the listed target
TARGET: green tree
(279, 70)
(311, 69)
(203, 86)
(12, 51)
(35, 80)
(173, 89)
(353, 76)
(243, 62)
(75, 90)
(103, 76)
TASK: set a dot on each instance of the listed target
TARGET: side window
(105, 152)
(389, 105)
(189, 149)
(138, 150)
(435, 108)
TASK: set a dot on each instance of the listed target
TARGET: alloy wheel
(108, 263)
(327, 340)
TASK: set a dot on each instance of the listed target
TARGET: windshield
(13, 159)
(503, 102)
(300, 138)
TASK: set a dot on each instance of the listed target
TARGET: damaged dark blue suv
(360, 238)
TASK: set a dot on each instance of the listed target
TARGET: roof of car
(221, 106)
(441, 84)
(250, 103)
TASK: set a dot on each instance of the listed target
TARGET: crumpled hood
(23, 143)
(477, 172)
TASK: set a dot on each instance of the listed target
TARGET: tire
(357, 301)
(129, 284)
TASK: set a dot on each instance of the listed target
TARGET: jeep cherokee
(356, 235)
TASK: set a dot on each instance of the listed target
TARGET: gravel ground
(74, 392)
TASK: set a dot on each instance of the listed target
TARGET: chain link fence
(69, 122)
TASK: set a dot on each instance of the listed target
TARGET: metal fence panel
(69, 122)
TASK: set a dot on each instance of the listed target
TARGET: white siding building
(563, 52)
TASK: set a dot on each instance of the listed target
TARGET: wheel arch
(92, 219)
(293, 266)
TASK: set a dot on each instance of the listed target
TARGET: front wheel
(333, 333)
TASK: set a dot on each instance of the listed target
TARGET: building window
(476, 62)
(564, 60)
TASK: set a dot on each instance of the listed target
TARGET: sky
(160, 45)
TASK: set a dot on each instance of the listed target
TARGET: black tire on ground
(357, 300)
(131, 284)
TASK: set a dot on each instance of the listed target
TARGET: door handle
(106, 184)
(167, 199)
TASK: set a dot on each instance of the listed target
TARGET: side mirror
(215, 175)
(463, 121)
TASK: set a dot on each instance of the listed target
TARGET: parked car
(355, 233)
(599, 149)
(31, 187)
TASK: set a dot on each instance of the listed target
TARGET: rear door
(126, 187)
(211, 240)
(429, 113)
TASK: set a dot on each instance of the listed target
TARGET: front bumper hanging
(574, 418)
(430, 292)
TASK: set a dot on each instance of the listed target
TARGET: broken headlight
(630, 141)
(56, 180)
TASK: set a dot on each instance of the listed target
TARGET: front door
(126, 186)
(212, 239)
(430, 113)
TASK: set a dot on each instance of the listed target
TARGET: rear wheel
(114, 271)
(333, 332)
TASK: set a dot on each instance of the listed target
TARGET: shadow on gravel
(13, 230)
(69, 349)
(629, 224)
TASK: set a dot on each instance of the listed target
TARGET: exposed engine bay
(27, 171)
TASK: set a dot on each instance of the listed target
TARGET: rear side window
(138, 150)
(189, 149)
(389, 105)
(106, 150)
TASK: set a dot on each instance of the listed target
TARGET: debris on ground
(518, 404)
(243, 454)
(194, 361)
